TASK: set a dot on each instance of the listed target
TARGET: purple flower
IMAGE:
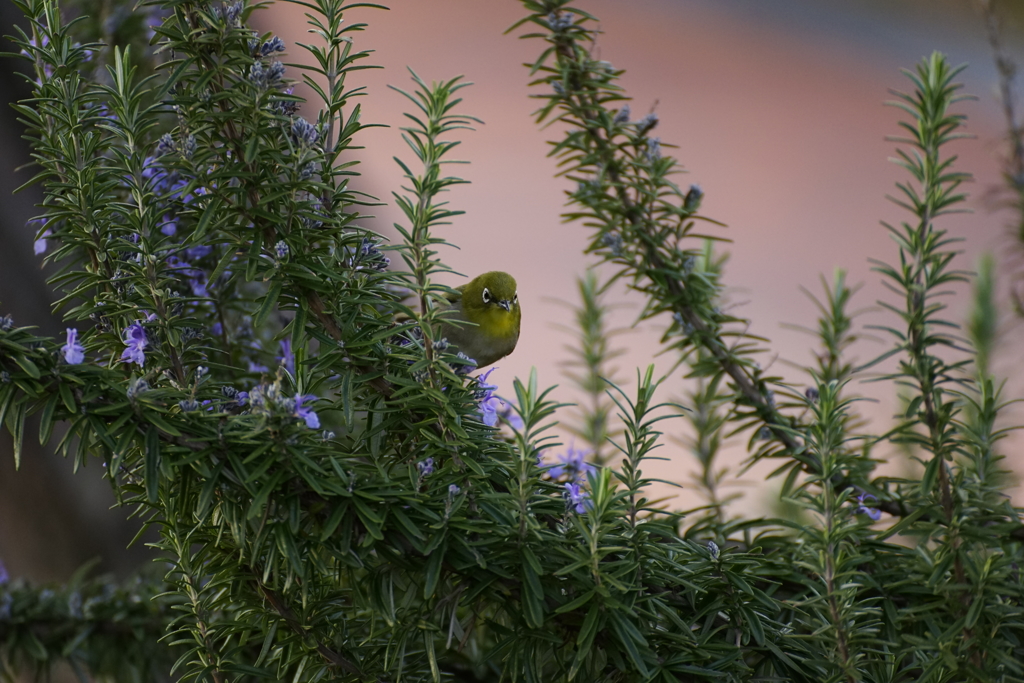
(575, 499)
(489, 410)
(135, 340)
(196, 277)
(874, 513)
(4, 576)
(169, 226)
(509, 415)
(198, 252)
(572, 464)
(304, 132)
(304, 413)
(491, 407)
(257, 368)
(41, 244)
(287, 358)
(273, 45)
(426, 467)
(188, 405)
(74, 353)
(198, 286)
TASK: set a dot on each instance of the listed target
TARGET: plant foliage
(272, 396)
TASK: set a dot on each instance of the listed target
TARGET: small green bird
(491, 301)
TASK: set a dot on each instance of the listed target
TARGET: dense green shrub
(337, 498)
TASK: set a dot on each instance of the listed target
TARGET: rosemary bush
(339, 498)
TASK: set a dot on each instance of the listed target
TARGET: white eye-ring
(515, 298)
(487, 296)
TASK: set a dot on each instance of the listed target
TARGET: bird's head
(492, 296)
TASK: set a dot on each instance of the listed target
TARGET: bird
(491, 301)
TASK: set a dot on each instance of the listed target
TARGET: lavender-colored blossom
(36, 45)
(273, 45)
(41, 245)
(366, 255)
(693, 197)
(647, 123)
(136, 387)
(622, 116)
(453, 490)
(235, 396)
(559, 21)
(489, 410)
(198, 251)
(874, 513)
(614, 242)
(287, 358)
(493, 408)
(74, 353)
(509, 415)
(258, 397)
(281, 250)
(198, 285)
(4, 576)
(304, 413)
(467, 365)
(196, 277)
(575, 499)
(286, 107)
(166, 145)
(304, 132)
(232, 13)
(572, 464)
(489, 403)
(653, 149)
(313, 221)
(189, 146)
(136, 341)
(426, 467)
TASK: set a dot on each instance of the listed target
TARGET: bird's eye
(515, 299)
(487, 296)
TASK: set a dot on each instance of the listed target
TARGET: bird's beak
(506, 304)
